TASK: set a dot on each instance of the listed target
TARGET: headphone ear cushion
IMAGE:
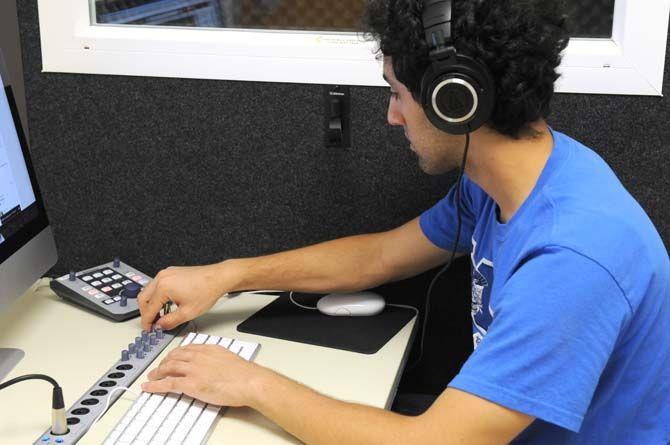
(458, 94)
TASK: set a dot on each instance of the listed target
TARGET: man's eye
(394, 95)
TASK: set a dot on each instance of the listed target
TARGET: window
(618, 45)
(304, 15)
(591, 19)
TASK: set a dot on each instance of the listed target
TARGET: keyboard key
(96, 283)
(87, 278)
(108, 272)
(244, 349)
(226, 342)
(202, 425)
(188, 420)
(97, 275)
(117, 277)
(188, 339)
(200, 339)
(213, 340)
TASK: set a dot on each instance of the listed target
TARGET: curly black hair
(520, 41)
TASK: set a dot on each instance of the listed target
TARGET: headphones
(457, 91)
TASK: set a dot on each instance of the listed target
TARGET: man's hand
(194, 289)
(207, 372)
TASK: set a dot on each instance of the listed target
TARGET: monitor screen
(22, 215)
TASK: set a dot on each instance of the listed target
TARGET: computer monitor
(27, 248)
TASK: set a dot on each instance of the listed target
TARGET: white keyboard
(174, 419)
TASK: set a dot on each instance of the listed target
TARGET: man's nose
(393, 116)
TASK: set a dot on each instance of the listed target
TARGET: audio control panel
(110, 289)
(133, 361)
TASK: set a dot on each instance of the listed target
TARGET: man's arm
(347, 264)
(456, 417)
(215, 375)
(343, 265)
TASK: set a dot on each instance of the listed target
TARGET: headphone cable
(452, 256)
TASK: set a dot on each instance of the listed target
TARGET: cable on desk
(290, 297)
(406, 307)
(109, 397)
(59, 421)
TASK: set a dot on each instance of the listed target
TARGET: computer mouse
(354, 304)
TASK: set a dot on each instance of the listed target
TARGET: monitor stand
(9, 358)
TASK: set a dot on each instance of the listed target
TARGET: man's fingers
(180, 353)
(176, 385)
(146, 294)
(171, 320)
(153, 306)
(170, 368)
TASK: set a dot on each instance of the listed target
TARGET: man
(571, 282)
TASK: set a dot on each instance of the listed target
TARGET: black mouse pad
(283, 319)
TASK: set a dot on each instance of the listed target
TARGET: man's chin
(433, 169)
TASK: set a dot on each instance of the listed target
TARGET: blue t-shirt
(570, 304)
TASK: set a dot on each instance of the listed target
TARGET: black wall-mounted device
(337, 116)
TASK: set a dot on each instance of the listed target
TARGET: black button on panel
(81, 411)
(72, 420)
(89, 402)
(124, 367)
(116, 375)
(108, 383)
(99, 392)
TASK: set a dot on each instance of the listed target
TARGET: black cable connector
(58, 418)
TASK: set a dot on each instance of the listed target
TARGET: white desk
(76, 347)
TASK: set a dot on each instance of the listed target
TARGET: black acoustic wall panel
(172, 171)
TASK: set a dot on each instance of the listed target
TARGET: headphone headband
(437, 27)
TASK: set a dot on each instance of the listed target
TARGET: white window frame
(631, 62)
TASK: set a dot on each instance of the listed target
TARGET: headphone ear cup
(457, 94)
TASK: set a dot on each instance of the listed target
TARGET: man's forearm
(346, 264)
(317, 419)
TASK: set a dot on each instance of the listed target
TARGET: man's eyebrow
(386, 79)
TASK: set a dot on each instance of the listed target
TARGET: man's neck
(508, 169)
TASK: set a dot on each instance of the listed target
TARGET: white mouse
(356, 304)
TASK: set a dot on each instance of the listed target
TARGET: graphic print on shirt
(482, 280)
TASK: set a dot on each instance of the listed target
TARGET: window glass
(589, 19)
(308, 15)
(592, 18)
